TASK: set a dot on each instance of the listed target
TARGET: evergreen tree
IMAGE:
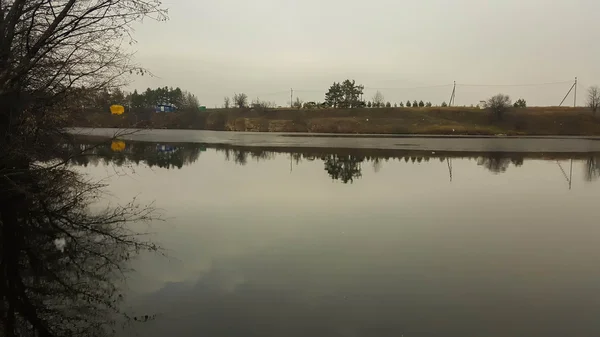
(334, 96)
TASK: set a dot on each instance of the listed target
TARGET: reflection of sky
(259, 250)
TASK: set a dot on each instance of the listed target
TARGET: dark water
(361, 242)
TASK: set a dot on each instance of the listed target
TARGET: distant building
(165, 107)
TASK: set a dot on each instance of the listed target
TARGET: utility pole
(452, 97)
(575, 99)
(574, 86)
(291, 98)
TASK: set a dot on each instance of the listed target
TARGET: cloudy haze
(214, 48)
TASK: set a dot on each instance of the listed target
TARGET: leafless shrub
(499, 104)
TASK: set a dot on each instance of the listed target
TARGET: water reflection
(389, 248)
(498, 162)
(592, 168)
(343, 168)
(63, 255)
(343, 165)
(167, 156)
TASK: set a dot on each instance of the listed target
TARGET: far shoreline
(364, 122)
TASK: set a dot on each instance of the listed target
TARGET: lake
(278, 241)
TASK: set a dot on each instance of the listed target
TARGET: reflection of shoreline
(342, 164)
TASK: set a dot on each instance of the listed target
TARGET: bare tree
(297, 103)
(593, 100)
(226, 102)
(499, 104)
(378, 100)
(58, 258)
(240, 100)
(189, 101)
(260, 104)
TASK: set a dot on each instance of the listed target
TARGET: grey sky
(214, 48)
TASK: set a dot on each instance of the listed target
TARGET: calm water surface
(362, 244)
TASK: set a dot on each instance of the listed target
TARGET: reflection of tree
(60, 260)
(184, 154)
(344, 168)
(241, 157)
(163, 156)
(592, 169)
(377, 165)
(498, 162)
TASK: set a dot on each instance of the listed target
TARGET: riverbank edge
(537, 144)
(127, 131)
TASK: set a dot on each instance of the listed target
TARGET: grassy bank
(454, 120)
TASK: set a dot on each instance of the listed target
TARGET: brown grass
(435, 120)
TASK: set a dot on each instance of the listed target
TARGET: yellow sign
(117, 109)
(117, 145)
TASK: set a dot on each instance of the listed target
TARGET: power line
(273, 93)
(297, 90)
(513, 85)
(408, 88)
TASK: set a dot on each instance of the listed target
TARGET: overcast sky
(214, 48)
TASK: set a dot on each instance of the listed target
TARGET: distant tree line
(166, 95)
(241, 101)
(101, 100)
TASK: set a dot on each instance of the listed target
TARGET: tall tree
(351, 94)
(334, 95)
(345, 95)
